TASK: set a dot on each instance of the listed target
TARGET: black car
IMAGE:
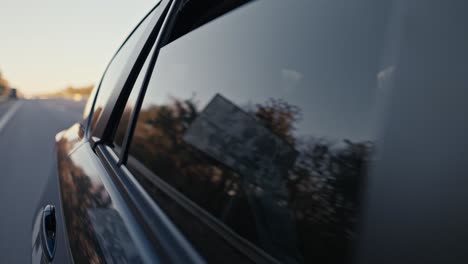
(308, 131)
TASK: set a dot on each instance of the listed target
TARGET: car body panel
(50, 195)
(98, 224)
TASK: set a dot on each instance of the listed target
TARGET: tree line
(4, 85)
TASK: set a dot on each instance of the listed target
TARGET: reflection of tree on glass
(294, 196)
(325, 186)
(236, 139)
(122, 128)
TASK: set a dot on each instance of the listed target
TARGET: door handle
(49, 231)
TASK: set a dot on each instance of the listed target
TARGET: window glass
(115, 68)
(261, 124)
(126, 115)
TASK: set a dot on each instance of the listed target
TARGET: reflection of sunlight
(384, 77)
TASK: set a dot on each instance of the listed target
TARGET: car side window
(115, 68)
(257, 128)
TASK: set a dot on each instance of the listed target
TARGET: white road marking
(8, 115)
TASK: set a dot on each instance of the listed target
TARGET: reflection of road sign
(233, 137)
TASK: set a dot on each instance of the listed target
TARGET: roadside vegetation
(70, 93)
(4, 86)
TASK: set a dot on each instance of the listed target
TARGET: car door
(81, 216)
(257, 127)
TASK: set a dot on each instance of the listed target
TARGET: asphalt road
(26, 160)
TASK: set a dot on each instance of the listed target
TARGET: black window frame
(143, 72)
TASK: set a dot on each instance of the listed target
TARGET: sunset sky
(50, 44)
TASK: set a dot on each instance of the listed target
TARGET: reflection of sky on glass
(48, 44)
(327, 67)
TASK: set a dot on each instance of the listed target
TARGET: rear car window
(257, 129)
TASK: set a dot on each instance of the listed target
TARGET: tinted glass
(115, 68)
(264, 120)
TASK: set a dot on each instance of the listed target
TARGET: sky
(48, 45)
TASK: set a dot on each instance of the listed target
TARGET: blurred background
(52, 54)
(48, 46)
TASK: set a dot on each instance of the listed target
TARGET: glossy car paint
(50, 195)
(97, 220)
